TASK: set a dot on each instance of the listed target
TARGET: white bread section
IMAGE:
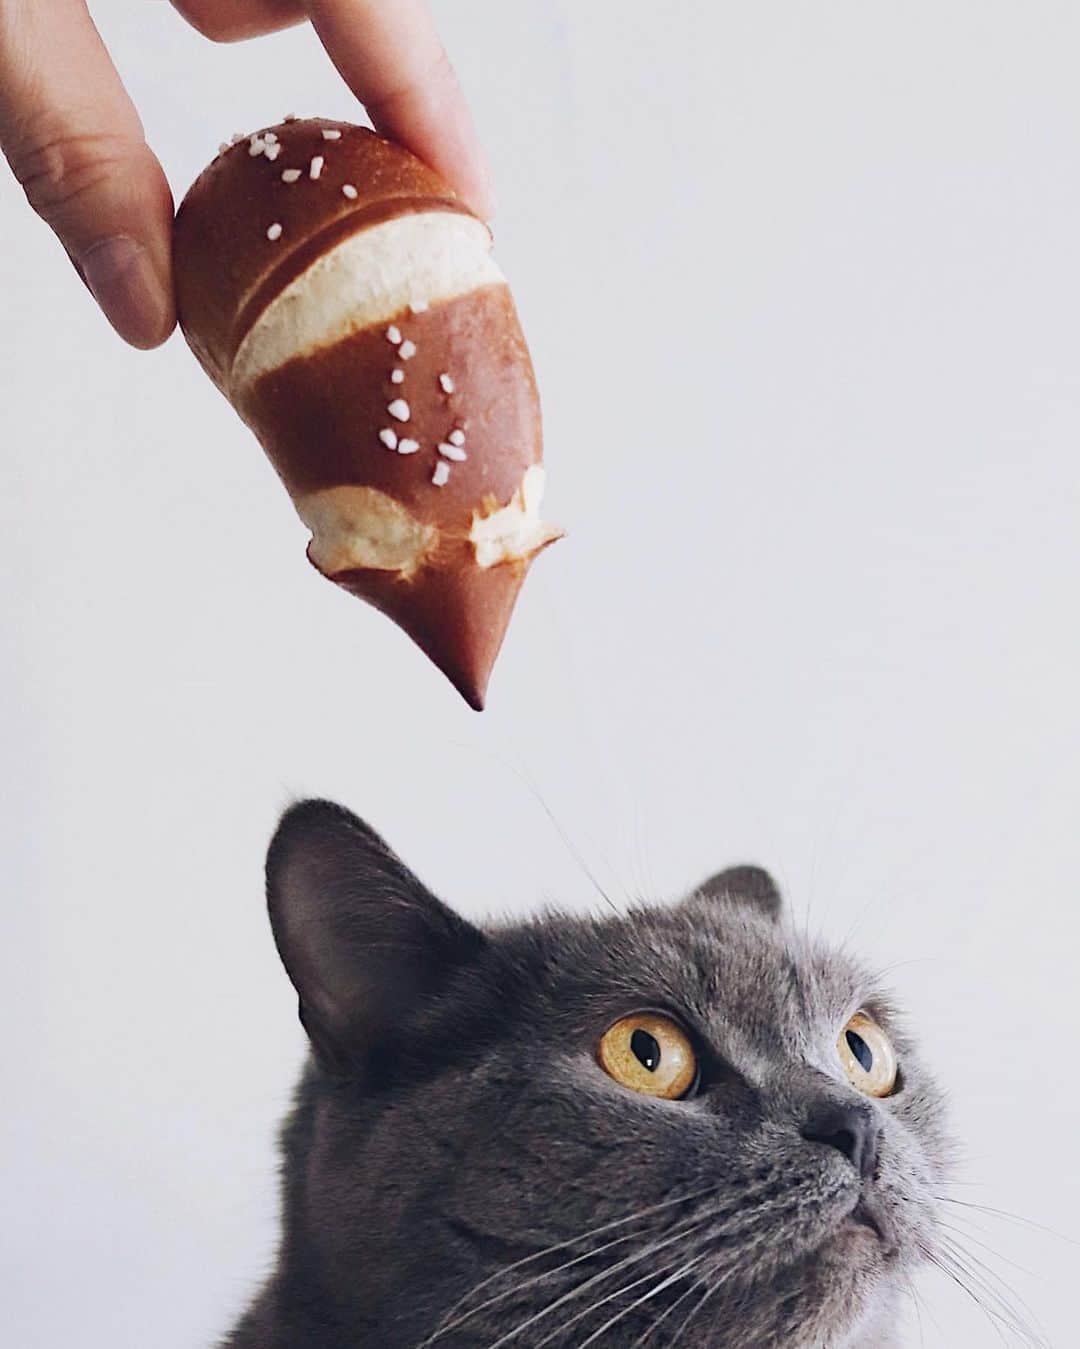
(367, 279)
(363, 527)
(515, 530)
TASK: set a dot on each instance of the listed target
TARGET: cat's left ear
(747, 885)
(367, 946)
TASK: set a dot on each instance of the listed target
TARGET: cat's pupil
(646, 1049)
(861, 1050)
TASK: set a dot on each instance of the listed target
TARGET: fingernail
(122, 278)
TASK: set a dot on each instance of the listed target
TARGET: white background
(802, 287)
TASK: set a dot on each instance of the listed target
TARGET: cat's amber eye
(650, 1053)
(867, 1056)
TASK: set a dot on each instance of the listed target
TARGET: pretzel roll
(346, 303)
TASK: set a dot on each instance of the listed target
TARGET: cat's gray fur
(453, 1131)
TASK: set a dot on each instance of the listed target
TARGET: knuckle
(57, 168)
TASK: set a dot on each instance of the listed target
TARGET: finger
(392, 59)
(75, 143)
(239, 19)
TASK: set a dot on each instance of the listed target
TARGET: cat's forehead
(730, 962)
(734, 973)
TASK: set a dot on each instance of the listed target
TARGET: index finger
(75, 143)
(391, 57)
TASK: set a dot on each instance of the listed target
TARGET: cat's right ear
(752, 886)
(364, 942)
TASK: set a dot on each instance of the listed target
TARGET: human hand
(75, 142)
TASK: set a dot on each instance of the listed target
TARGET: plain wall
(802, 286)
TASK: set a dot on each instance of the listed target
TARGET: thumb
(75, 143)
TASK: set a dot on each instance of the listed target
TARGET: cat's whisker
(1005, 1298)
(1001, 1320)
(716, 1281)
(580, 1288)
(682, 1272)
(667, 1312)
(1005, 1216)
(523, 1287)
(922, 1306)
(960, 1253)
(447, 1324)
(913, 1294)
(963, 1235)
(666, 1279)
(592, 1307)
(567, 841)
(694, 1311)
(999, 1317)
(938, 1262)
(645, 880)
(998, 1309)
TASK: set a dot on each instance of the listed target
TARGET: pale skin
(75, 142)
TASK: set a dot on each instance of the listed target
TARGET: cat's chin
(845, 1290)
(867, 1223)
(836, 1295)
(842, 1281)
(858, 1233)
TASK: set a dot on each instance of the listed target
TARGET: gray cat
(678, 1126)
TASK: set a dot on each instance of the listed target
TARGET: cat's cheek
(918, 1109)
(904, 1191)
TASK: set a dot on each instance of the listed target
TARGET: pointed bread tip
(458, 617)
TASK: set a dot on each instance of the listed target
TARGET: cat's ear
(747, 885)
(364, 942)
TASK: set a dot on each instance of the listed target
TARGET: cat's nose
(851, 1129)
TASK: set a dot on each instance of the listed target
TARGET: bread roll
(346, 303)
